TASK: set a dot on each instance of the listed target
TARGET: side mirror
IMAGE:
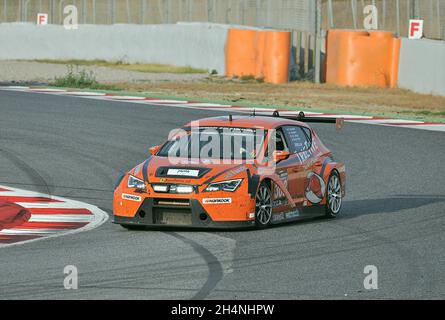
(154, 150)
(280, 155)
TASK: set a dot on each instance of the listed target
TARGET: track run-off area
(74, 148)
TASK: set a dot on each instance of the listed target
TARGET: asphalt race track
(393, 216)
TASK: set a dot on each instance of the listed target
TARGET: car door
(284, 169)
(299, 143)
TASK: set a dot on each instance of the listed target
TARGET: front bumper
(192, 215)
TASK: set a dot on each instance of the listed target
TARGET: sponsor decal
(217, 200)
(286, 215)
(292, 214)
(279, 202)
(315, 188)
(304, 155)
(183, 172)
(131, 197)
(278, 194)
(278, 217)
(235, 172)
(175, 180)
(251, 215)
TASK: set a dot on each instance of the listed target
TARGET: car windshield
(216, 143)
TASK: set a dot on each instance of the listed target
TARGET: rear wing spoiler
(339, 122)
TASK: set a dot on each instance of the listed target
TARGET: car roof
(250, 121)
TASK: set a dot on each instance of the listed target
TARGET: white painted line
(215, 109)
(430, 127)
(60, 218)
(124, 98)
(203, 105)
(47, 90)
(18, 231)
(399, 121)
(166, 102)
(249, 109)
(51, 205)
(20, 88)
(86, 94)
(379, 122)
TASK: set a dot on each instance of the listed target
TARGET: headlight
(230, 185)
(134, 182)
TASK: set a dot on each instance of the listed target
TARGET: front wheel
(333, 195)
(263, 206)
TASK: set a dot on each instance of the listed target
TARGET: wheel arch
(341, 171)
(268, 181)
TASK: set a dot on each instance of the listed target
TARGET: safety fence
(393, 15)
(283, 14)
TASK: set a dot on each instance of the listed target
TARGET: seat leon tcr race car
(233, 171)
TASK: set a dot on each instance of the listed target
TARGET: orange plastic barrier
(241, 53)
(361, 58)
(258, 53)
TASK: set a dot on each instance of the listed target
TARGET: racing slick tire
(333, 195)
(263, 206)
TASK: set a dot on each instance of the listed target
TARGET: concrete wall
(199, 45)
(422, 66)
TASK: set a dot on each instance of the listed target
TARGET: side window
(308, 137)
(279, 142)
(299, 138)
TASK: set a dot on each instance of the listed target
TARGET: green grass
(79, 79)
(138, 67)
(114, 89)
(432, 113)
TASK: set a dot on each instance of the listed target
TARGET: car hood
(161, 170)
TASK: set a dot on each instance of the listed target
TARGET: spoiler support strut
(339, 122)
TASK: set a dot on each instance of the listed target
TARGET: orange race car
(233, 171)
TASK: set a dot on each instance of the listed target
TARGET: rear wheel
(333, 195)
(263, 206)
